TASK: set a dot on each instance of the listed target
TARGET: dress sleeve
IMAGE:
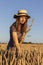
(13, 28)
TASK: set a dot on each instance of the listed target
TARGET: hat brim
(16, 16)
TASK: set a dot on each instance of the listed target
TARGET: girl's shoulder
(13, 27)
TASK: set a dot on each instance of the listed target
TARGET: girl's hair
(21, 27)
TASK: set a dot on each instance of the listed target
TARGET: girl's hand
(20, 53)
(19, 48)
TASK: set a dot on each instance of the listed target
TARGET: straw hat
(22, 13)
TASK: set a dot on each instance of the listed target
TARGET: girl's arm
(15, 39)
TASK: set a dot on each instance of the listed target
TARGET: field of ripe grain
(32, 54)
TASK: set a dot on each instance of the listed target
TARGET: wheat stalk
(28, 29)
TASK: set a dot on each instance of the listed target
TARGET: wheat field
(32, 54)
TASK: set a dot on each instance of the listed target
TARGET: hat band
(22, 13)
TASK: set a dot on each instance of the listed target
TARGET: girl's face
(23, 19)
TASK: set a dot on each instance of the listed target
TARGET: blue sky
(10, 7)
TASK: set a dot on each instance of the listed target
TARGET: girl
(18, 28)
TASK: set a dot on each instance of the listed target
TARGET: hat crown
(22, 11)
